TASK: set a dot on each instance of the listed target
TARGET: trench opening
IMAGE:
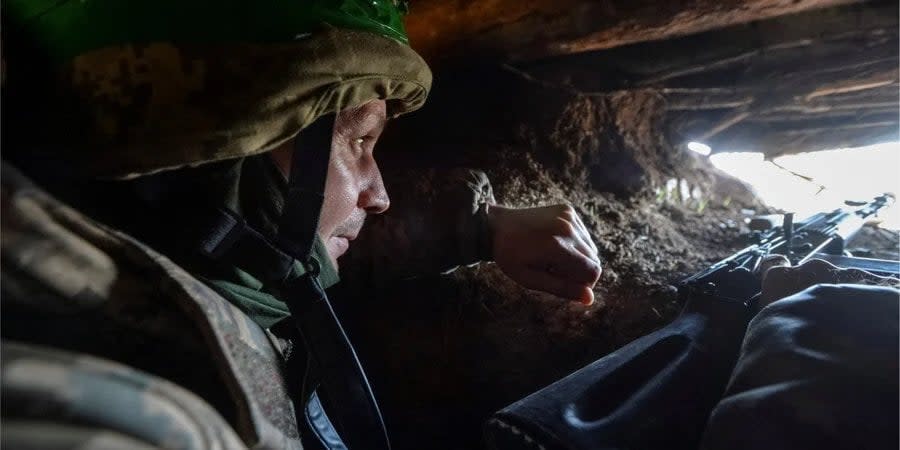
(816, 181)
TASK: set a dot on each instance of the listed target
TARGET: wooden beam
(824, 135)
(829, 39)
(727, 122)
(847, 111)
(526, 30)
(844, 87)
(701, 102)
(824, 122)
(882, 97)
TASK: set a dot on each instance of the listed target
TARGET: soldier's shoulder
(72, 286)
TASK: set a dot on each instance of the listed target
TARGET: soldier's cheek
(340, 198)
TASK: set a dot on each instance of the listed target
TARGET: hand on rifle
(780, 280)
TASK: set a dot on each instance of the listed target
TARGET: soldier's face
(354, 187)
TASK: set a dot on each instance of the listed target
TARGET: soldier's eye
(362, 146)
(364, 142)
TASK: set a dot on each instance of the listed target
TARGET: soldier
(237, 140)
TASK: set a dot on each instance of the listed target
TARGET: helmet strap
(223, 235)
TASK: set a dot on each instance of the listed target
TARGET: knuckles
(567, 212)
(564, 227)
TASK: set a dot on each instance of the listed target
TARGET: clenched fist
(546, 249)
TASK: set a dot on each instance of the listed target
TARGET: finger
(778, 282)
(568, 230)
(571, 265)
(540, 280)
(585, 233)
(862, 276)
(820, 269)
(575, 227)
(581, 247)
(566, 234)
(590, 249)
(587, 298)
(782, 281)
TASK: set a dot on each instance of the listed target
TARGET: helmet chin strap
(352, 406)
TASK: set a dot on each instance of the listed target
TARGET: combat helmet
(161, 84)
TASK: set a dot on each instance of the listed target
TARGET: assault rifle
(821, 236)
(658, 391)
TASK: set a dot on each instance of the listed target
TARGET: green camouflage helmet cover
(161, 84)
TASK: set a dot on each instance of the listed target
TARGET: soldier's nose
(375, 201)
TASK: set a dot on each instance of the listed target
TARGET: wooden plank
(526, 30)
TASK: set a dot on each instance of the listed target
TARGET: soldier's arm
(441, 220)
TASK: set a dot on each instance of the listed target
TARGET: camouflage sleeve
(48, 435)
(437, 222)
(58, 399)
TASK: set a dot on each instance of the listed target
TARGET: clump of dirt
(444, 351)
